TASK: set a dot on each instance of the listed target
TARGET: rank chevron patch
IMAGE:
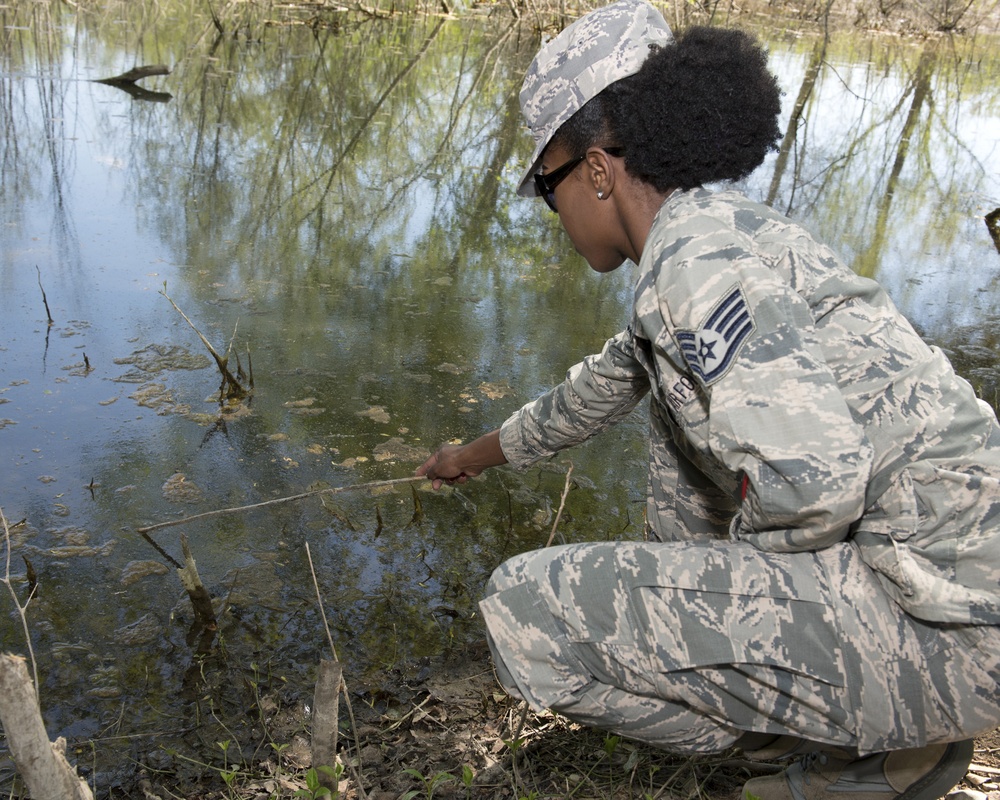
(711, 350)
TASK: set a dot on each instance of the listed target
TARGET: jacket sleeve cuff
(512, 442)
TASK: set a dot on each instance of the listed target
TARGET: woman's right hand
(456, 463)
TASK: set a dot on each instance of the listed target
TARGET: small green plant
(314, 789)
(278, 750)
(610, 746)
(430, 782)
(227, 774)
(467, 777)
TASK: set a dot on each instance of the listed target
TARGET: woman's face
(592, 223)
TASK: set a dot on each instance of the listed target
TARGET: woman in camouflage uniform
(822, 576)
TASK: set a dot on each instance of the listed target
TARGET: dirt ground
(984, 774)
(465, 718)
(457, 734)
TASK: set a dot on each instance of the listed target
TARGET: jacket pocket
(741, 608)
(932, 538)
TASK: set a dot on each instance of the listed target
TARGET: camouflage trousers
(688, 645)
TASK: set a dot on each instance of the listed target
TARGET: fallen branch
(41, 763)
(312, 493)
(137, 74)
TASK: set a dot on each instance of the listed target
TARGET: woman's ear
(602, 171)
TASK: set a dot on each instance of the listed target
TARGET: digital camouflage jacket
(791, 406)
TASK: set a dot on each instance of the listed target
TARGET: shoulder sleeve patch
(711, 350)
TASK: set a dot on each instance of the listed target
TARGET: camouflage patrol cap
(606, 45)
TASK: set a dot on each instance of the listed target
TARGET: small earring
(600, 195)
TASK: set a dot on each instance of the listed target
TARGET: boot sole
(950, 769)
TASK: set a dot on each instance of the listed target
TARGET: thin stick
(177, 564)
(44, 298)
(319, 600)
(562, 504)
(277, 500)
(516, 741)
(21, 609)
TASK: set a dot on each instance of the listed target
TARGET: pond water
(335, 207)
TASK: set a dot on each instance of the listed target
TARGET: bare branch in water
(231, 388)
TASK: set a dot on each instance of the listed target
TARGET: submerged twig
(418, 509)
(31, 575)
(277, 500)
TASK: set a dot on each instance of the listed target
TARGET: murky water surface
(336, 209)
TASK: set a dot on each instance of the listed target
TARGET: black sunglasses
(545, 184)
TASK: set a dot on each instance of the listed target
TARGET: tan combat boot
(923, 773)
(780, 748)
